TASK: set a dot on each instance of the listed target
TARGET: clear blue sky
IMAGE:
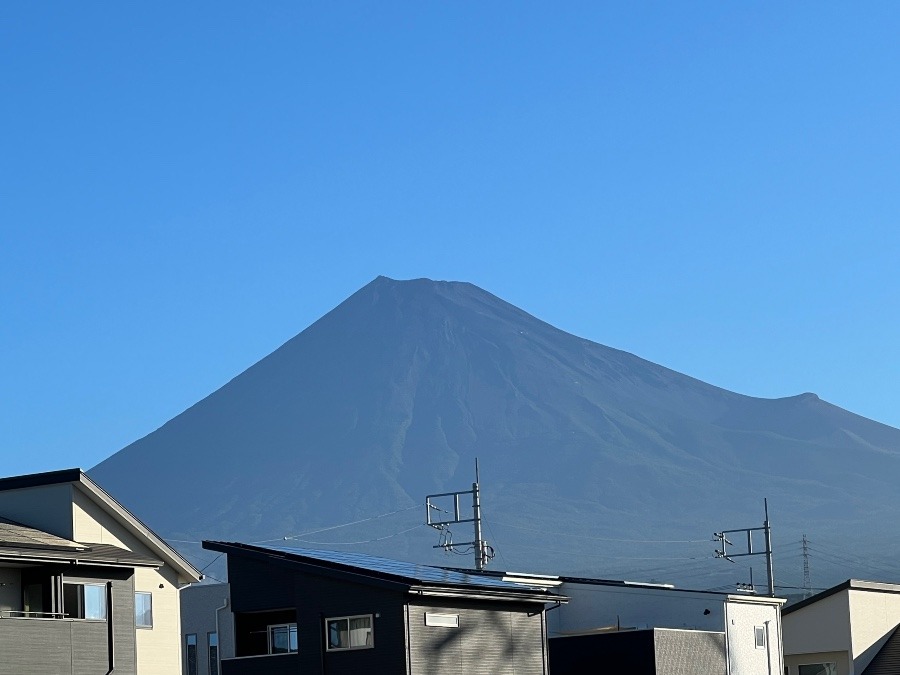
(710, 185)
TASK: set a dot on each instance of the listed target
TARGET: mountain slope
(393, 394)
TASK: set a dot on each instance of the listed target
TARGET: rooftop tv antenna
(483, 553)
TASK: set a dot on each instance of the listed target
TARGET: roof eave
(154, 542)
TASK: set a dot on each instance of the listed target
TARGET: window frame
(329, 620)
(826, 664)
(760, 639)
(292, 628)
(212, 651)
(187, 654)
(144, 626)
(81, 609)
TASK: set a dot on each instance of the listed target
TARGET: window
(759, 636)
(349, 632)
(85, 601)
(283, 638)
(818, 669)
(445, 620)
(143, 610)
(212, 639)
(190, 656)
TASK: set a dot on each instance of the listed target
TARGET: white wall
(595, 606)
(744, 657)
(823, 626)
(873, 615)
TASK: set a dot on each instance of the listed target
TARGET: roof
(559, 580)
(13, 534)
(83, 482)
(424, 579)
(850, 584)
(887, 660)
(22, 543)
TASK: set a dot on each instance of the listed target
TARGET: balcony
(46, 643)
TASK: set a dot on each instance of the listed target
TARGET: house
(301, 610)
(85, 587)
(207, 628)
(849, 629)
(679, 628)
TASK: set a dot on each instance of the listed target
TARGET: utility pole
(483, 552)
(807, 585)
(766, 529)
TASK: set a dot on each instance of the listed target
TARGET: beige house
(850, 629)
(76, 562)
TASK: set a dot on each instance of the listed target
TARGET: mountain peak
(392, 394)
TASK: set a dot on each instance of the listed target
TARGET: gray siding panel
(36, 647)
(493, 638)
(689, 652)
(60, 646)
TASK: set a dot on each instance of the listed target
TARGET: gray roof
(425, 574)
(22, 543)
(13, 534)
(413, 576)
(887, 660)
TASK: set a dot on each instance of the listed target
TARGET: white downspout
(219, 638)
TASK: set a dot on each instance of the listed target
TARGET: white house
(850, 629)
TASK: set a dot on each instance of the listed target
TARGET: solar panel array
(406, 570)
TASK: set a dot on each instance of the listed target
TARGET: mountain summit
(588, 453)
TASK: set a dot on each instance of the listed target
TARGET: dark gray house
(306, 611)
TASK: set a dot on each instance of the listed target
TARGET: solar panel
(407, 570)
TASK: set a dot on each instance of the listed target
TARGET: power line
(586, 536)
(354, 543)
(304, 534)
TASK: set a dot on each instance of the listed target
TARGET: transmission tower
(807, 586)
